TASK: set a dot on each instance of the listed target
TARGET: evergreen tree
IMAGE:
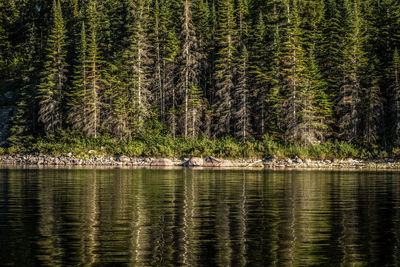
(52, 86)
(394, 97)
(226, 39)
(372, 106)
(136, 72)
(202, 20)
(189, 60)
(23, 123)
(257, 73)
(95, 80)
(330, 57)
(242, 20)
(242, 103)
(3, 43)
(353, 67)
(164, 53)
(196, 108)
(79, 95)
(297, 112)
(158, 40)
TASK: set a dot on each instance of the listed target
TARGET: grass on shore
(164, 146)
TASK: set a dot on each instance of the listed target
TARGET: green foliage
(159, 145)
(147, 73)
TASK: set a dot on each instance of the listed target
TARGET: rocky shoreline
(208, 162)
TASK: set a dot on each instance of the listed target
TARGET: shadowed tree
(226, 38)
(189, 73)
(52, 86)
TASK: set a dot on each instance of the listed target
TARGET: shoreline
(208, 162)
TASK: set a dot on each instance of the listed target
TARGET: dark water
(199, 217)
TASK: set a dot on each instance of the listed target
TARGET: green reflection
(189, 217)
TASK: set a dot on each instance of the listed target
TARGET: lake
(156, 217)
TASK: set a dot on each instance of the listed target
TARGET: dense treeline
(301, 71)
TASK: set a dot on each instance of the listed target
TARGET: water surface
(152, 217)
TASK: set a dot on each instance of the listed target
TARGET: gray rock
(194, 162)
(124, 159)
(161, 162)
(272, 158)
(298, 160)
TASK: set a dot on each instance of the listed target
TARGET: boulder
(272, 158)
(226, 163)
(211, 162)
(194, 162)
(161, 162)
(124, 159)
(214, 162)
(297, 160)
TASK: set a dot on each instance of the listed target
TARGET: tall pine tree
(226, 39)
(52, 86)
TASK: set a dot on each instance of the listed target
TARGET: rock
(194, 162)
(226, 163)
(69, 154)
(161, 162)
(298, 160)
(92, 152)
(214, 162)
(124, 159)
(288, 161)
(307, 161)
(211, 162)
(272, 158)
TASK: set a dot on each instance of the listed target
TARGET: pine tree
(164, 52)
(52, 86)
(353, 67)
(137, 61)
(23, 123)
(312, 14)
(242, 20)
(79, 95)
(372, 108)
(158, 40)
(297, 110)
(3, 44)
(196, 108)
(330, 57)
(95, 80)
(189, 60)
(242, 103)
(394, 97)
(202, 21)
(225, 67)
(269, 79)
(312, 38)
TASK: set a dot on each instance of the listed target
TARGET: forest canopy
(299, 71)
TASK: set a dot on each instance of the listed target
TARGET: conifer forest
(302, 72)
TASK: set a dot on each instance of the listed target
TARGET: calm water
(199, 217)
